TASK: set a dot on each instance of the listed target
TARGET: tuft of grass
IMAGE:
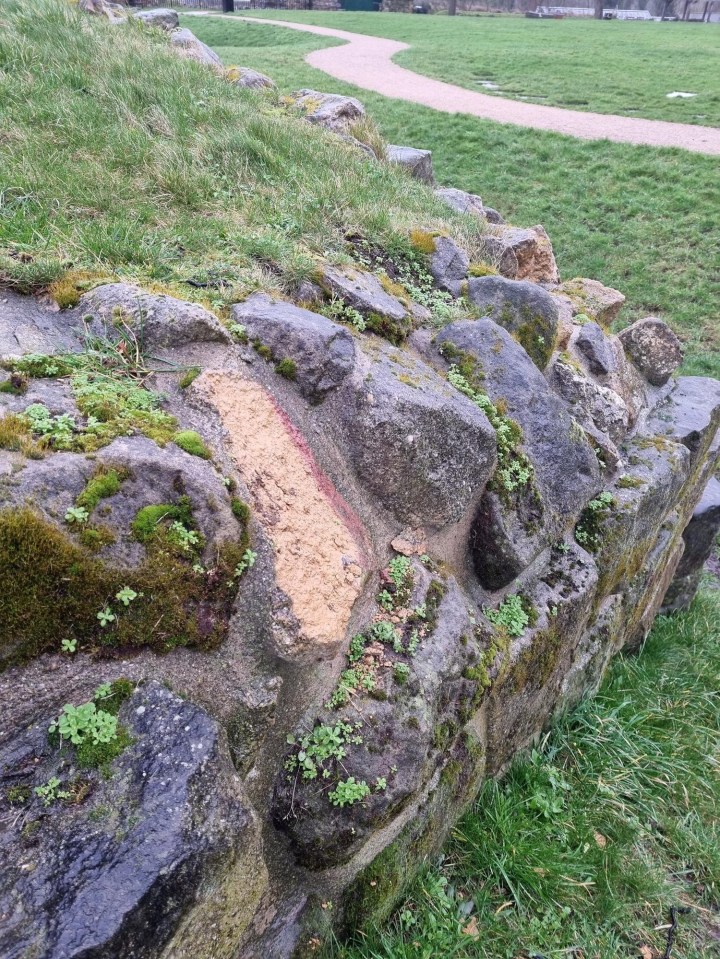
(591, 839)
(192, 443)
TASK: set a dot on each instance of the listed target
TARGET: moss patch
(287, 369)
(192, 443)
(188, 377)
(105, 483)
(52, 589)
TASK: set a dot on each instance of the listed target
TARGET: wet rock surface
(75, 882)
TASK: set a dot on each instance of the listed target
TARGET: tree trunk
(452, 8)
(598, 9)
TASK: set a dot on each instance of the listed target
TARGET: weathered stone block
(524, 309)
(323, 351)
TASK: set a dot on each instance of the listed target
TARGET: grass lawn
(605, 66)
(582, 850)
(643, 220)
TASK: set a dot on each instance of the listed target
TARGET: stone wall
(310, 580)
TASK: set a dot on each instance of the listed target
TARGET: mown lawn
(625, 67)
(589, 842)
(646, 221)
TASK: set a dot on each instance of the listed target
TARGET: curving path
(367, 62)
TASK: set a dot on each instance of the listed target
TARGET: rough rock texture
(155, 318)
(463, 202)
(115, 12)
(172, 794)
(162, 17)
(402, 420)
(526, 310)
(362, 291)
(449, 265)
(324, 560)
(330, 110)
(253, 79)
(323, 351)
(418, 163)
(510, 530)
(699, 538)
(521, 254)
(187, 45)
(653, 348)
(592, 299)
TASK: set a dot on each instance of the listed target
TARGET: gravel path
(367, 62)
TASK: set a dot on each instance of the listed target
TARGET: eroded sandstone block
(521, 254)
(318, 542)
(653, 348)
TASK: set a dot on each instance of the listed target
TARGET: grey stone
(653, 348)
(156, 319)
(323, 351)
(403, 724)
(27, 326)
(699, 538)
(526, 310)
(536, 663)
(521, 253)
(597, 349)
(253, 79)
(422, 449)
(114, 12)
(162, 17)
(329, 110)
(654, 474)
(507, 536)
(463, 202)
(165, 849)
(589, 401)
(690, 415)
(364, 293)
(449, 265)
(187, 45)
(418, 163)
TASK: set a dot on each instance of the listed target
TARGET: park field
(643, 220)
(607, 66)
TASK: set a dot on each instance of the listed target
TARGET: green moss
(148, 518)
(16, 437)
(192, 443)
(423, 241)
(18, 795)
(95, 538)
(241, 511)
(287, 369)
(395, 331)
(537, 662)
(535, 334)
(189, 377)
(105, 483)
(16, 384)
(630, 482)
(481, 269)
(264, 351)
(52, 589)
